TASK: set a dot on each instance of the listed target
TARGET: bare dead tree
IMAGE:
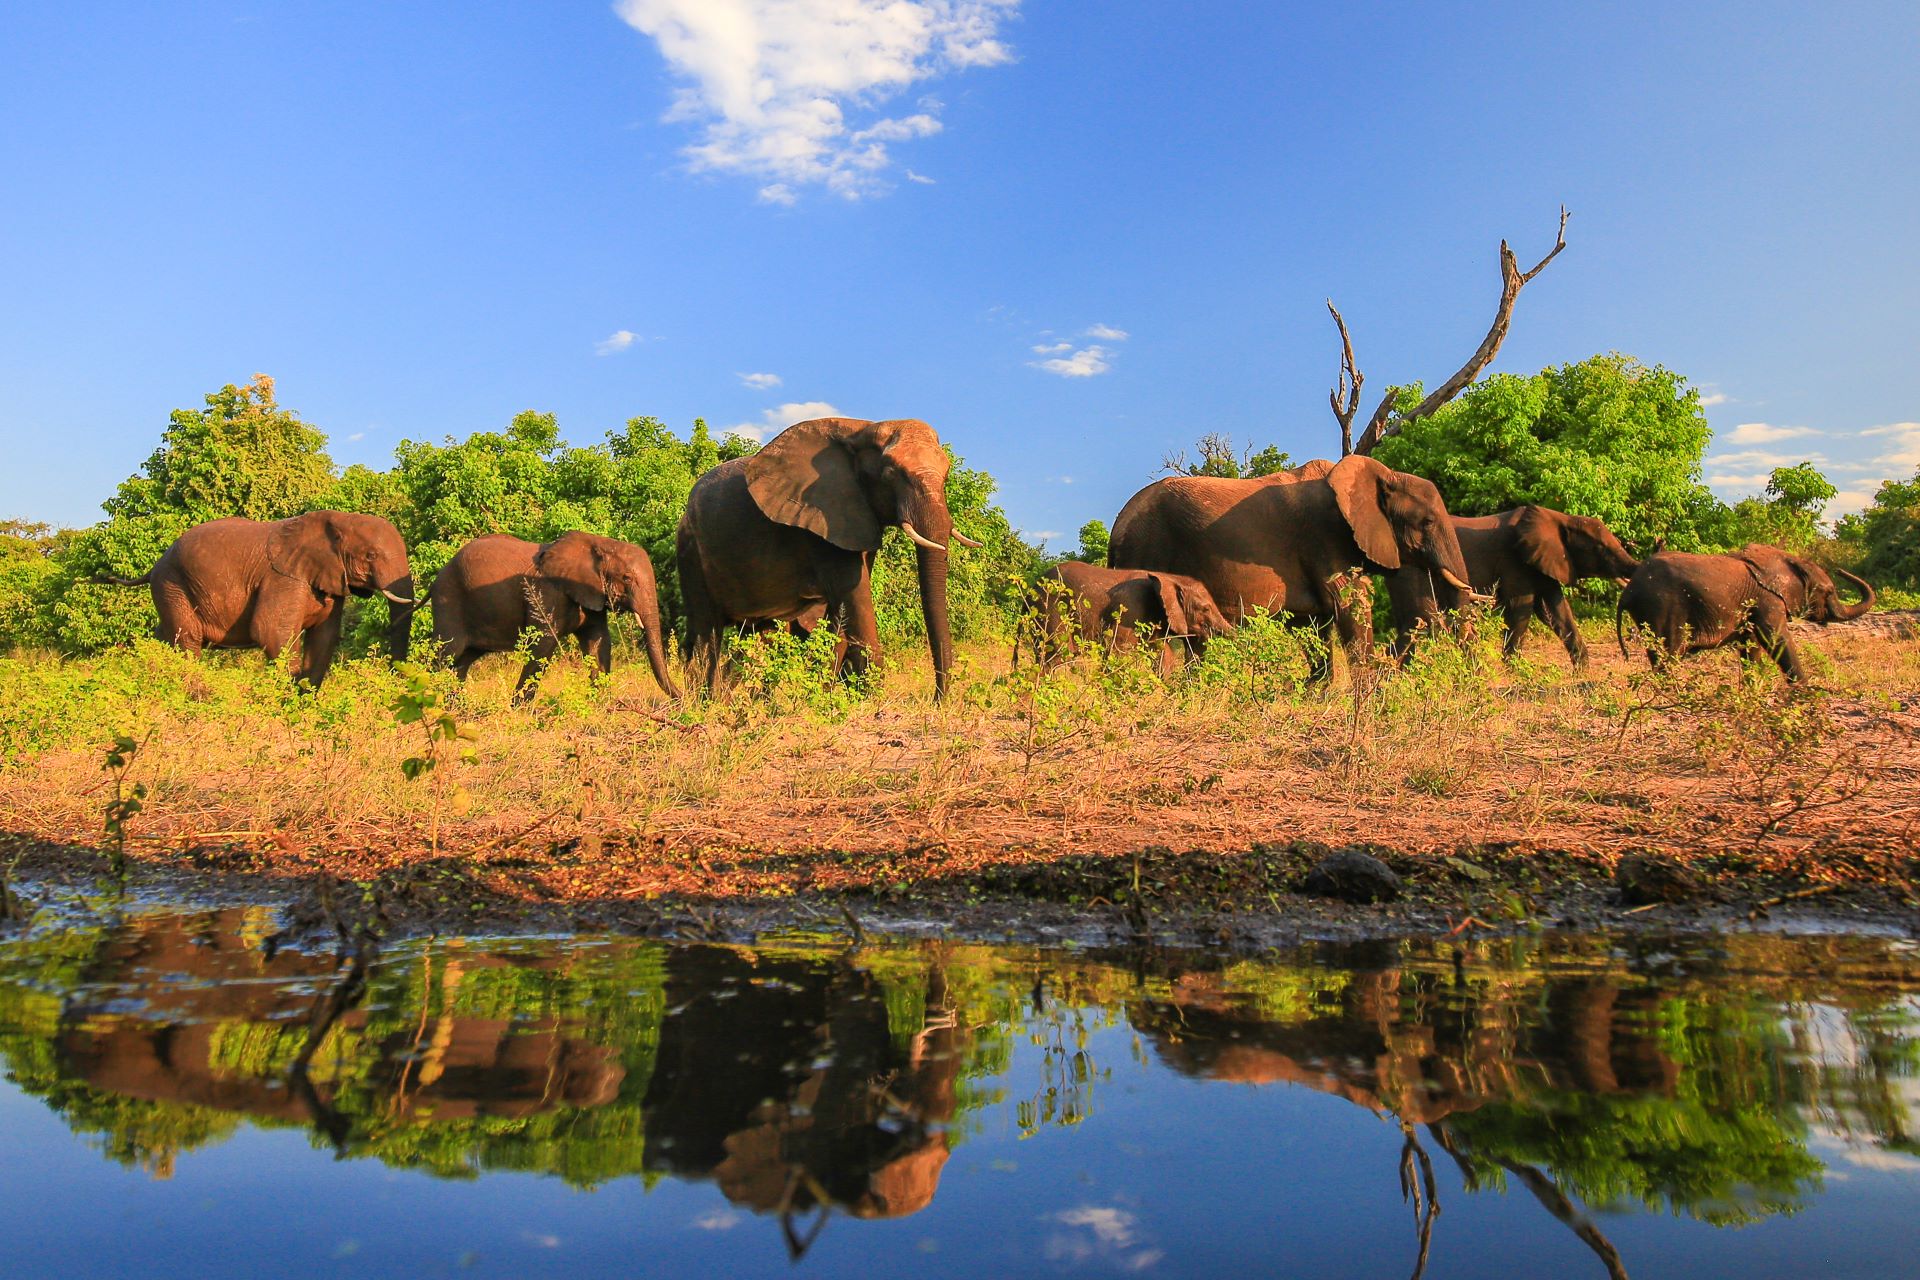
(1345, 396)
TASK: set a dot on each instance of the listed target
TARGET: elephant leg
(596, 643)
(1355, 628)
(1320, 662)
(178, 624)
(704, 625)
(1518, 612)
(843, 580)
(1769, 626)
(1557, 612)
(463, 662)
(317, 644)
(544, 648)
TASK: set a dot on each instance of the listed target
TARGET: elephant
(1283, 543)
(1686, 603)
(255, 584)
(789, 534)
(1527, 556)
(1075, 601)
(1807, 589)
(497, 586)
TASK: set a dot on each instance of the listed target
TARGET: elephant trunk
(400, 616)
(646, 607)
(930, 519)
(1848, 612)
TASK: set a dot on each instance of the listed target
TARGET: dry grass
(613, 792)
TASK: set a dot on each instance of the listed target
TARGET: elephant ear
(308, 548)
(1358, 482)
(1177, 624)
(575, 563)
(1544, 544)
(808, 477)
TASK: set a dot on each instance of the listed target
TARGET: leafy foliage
(1886, 536)
(1606, 436)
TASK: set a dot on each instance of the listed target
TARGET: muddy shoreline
(1235, 905)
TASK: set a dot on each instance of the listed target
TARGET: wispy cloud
(920, 178)
(1764, 433)
(1084, 363)
(1107, 333)
(1713, 398)
(617, 341)
(773, 82)
(1051, 348)
(358, 435)
(775, 420)
(760, 381)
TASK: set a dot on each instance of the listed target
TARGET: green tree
(1093, 542)
(1606, 436)
(1789, 514)
(1219, 457)
(1887, 535)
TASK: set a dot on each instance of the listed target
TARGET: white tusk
(396, 599)
(918, 540)
(1455, 583)
(965, 541)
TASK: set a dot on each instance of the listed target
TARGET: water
(180, 1097)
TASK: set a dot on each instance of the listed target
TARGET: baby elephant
(1075, 602)
(1686, 603)
(497, 586)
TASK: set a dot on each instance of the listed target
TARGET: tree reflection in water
(806, 1080)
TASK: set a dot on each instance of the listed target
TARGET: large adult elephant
(791, 531)
(1283, 543)
(1527, 557)
(497, 586)
(256, 584)
(1684, 603)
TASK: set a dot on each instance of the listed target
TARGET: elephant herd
(787, 537)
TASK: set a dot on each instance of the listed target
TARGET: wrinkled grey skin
(497, 586)
(256, 584)
(1684, 603)
(1077, 602)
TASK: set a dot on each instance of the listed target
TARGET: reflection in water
(804, 1081)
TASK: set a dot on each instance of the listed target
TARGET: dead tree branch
(1384, 423)
(1345, 396)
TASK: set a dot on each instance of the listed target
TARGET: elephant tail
(111, 580)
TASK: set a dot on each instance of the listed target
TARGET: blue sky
(423, 218)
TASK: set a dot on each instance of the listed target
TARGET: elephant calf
(1686, 603)
(1527, 556)
(1075, 601)
(497, 586)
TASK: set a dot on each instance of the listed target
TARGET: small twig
(1762, 906)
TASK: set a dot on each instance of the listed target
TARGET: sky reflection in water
(178, 1096)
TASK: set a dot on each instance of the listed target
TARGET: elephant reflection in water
(785, 1084)
(178, 1049)
(1419, 1057)
(783, 1081)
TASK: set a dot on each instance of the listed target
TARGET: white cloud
(774, 421)
(920, 178)
(1107, 333)
(1730, 481)
(773, 81)
(1714, 398)
(1765, 433)
(1848, 502)
(760, 381)
(717, 1220)
(618, 340)
(358, 435)
(1763, 458)
(1047, 535)
(1051, 348)
(1084, 363)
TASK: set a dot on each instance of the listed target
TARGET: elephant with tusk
(256, 584)
(1284, 543)
(788, 535)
